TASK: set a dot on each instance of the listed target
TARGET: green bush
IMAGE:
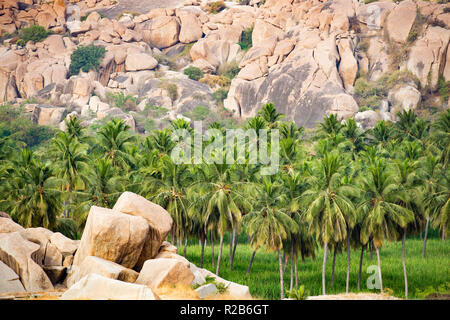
(199, 113)
(443, 89)
(297, 294)
(229, 70)
(194, 73)
(216, 7)
(18, 127)
(246, 39)
(123, 101)
(33, 33)
(220, 95)
(86, 58)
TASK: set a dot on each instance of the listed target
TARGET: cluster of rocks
(122, 254)
(305, 57)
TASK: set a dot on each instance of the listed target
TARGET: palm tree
(381, 215)
(329, 211)
(104, 187)
(270, 114)
(330, 126)
(221, 194)
(114, 141)
(70, 163)
(382, 133)
(33, 196)
(169, 190)
(268, 224)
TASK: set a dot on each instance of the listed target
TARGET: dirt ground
(141, 6)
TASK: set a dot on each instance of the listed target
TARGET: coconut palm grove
(343, 202)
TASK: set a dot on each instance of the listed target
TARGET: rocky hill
(122, 255)
(309, 57)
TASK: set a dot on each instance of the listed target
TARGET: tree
(381, 216)
(114, 141)
(33, 196)
(268, 224)
(329, 211)
(70, 163)
(270, 114)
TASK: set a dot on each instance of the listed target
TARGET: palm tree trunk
(404, 264)
(424, 252)
(236, 240)
(296, 271)
(347, 282)
(203, 240)
(231, 245)
(360, 267)
(251, 261)
(332, 268)
(220, 255)
(185, 247)
(371, 249)
(212, 249)
(172, 237)
(284, 262)
(292, 268)
(379, 268)
(325, 254)
(280, 262)
(443, 233)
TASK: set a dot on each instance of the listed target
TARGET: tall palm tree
(221, 195)
(70, 163)
(268, 224)
(329, 211)
(114, 141)
(33, 195)
(381, 214)
(104, 187)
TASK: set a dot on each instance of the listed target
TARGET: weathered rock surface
(97, 287)
(161, 272)
(9, 280)
(17, 253)
(158, 220)
(114, 236)
(7, 225)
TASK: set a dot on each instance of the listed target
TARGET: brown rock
(157, 273)
(7, 225)
(400, 21)
(16, 253)
(158, 219)
(164, 32)
(114, 236)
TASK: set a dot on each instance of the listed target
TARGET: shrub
(216, 7)
(444, 89)
(297, 294)
(34, 33)
(229, 70)
(194, 73)
(220, 95)
(122, 101)
(172, 89)
(214, 81)
(155, 111)
(198, 113)
(246, 39)
(85, 58)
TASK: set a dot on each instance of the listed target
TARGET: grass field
(264, 279)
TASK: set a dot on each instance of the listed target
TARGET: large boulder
(164, 32)
(16, 253)
(158, 221)
(8, 225)
(157, 273)
(101, 267)
(140, 61)
(401, 20)
(65, 245)
(191, 28)
(97, 287)
(114, 236)
(9, 280)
